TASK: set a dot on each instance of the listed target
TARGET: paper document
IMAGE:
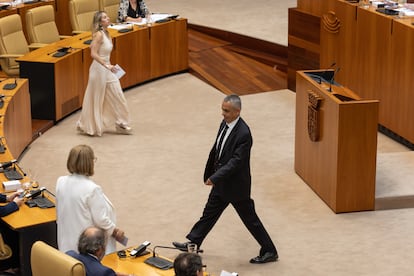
(154, 17)
(405, 12)
(119, 71)
(121, 26)
(226, 273)
(124, 241)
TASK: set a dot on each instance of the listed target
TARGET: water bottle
(148, 17)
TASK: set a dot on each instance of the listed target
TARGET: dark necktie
(223, 133)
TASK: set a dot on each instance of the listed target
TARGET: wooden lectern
(335, 141)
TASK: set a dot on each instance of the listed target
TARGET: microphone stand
(333, 79)
(161, 262)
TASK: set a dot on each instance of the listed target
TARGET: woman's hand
(118, 234)
(111, 67)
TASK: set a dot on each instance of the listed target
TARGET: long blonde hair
(96, 24)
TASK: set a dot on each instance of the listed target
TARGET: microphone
(10, 86)
(333, 78)
(46, 190)
(35, 193)
(20, 169)
(5, 165)
(171, 247)
(159, 262)
(162, 263)
(2, 146)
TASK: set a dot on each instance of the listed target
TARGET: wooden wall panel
(303, 44)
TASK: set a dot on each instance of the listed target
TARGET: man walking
(228, 172)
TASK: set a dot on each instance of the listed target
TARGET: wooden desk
(7, 12)
(134, 266)
(32, 224)
(372, 49)
(57, 85)
(15, 121)
(340, 165)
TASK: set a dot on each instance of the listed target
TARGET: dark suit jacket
(92, 265)
(9, 208)
(231, 176)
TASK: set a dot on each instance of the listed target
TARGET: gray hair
(234, 100)
(91, 240)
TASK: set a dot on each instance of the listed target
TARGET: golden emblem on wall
(331, 22)
(314, 115)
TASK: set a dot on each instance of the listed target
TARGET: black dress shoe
(265, 258)
(182, 246)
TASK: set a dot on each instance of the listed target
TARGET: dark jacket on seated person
(9, 208)
(10, 237)
(92, 265)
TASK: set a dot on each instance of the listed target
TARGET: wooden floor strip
(233, 69)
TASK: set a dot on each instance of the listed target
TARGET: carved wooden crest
(331, 22)
(313, 115)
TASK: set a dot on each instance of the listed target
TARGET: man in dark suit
(91, 247)
(228, 172)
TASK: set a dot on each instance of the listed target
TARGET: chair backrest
(81, 14)
(12, 41)
(111, 8)
(41, 25)
(46, 260)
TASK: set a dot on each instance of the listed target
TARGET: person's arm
(123, 13)
(13, 206)
(101, 215)
(123, 10)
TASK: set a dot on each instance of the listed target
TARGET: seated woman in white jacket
(81, 203)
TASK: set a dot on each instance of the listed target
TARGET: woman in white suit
(81, 203)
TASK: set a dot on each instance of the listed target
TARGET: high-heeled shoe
(79, 129)
(123, 129)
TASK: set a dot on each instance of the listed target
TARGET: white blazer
(81, 203)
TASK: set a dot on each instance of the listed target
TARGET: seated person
(12, 206)
(10, 237)
(188, 264)
(131, 11)
(91, 247)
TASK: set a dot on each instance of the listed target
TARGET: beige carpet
(263, 19)
(154, 177)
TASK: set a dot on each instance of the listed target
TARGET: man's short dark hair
(187, 264)
(91, 240)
